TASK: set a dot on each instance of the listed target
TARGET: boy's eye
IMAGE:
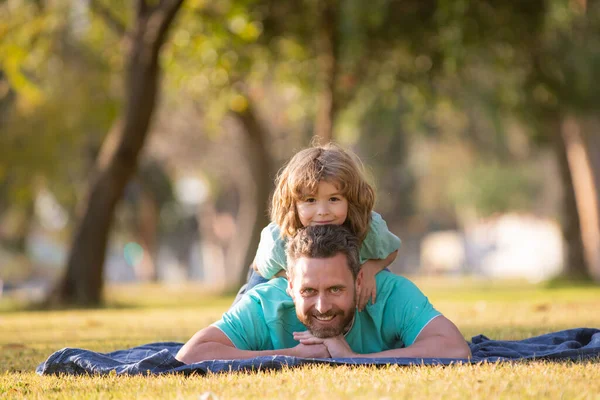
(335, 199)
(309, 200)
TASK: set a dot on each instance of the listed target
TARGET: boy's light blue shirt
(265, 318)
(270, 255)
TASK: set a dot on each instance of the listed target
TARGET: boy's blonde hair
(301, 176)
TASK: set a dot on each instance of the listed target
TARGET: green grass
(136, 315)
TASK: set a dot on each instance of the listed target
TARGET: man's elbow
(453, 342)
(207, 344)
(183, 357)
(187, 354)
(192, 351)
(458, 349)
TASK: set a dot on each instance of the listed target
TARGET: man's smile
(327, 317)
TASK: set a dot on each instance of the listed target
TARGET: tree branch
(169, 9)
(159, 18)
(142, 8)
(109, 18)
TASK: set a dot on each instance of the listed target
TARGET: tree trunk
(591, 126)
(591, 129)
(586, 193)
(147, 233)
(574, 168)
(83, 281)
(252, 215)
(328, 47)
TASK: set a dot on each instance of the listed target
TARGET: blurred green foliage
(65, 99)
(490, 189)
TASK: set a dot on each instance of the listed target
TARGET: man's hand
(368, 288)
(311, 351)
(336, 346)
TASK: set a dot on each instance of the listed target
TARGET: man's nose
(322, 305)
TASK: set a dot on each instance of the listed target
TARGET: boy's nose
(323, 209)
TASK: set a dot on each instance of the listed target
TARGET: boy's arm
(368, 289)
(380, 242)
(374, 266)
(212, 344)
(280, 274)
(270, 256)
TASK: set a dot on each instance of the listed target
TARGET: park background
(139, 142)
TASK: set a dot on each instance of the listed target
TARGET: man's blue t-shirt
(265, 318)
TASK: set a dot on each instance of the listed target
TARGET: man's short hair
(324, 241)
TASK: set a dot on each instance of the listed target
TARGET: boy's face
(327, 206)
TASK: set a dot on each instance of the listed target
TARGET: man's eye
(335, 290)
(307, 292)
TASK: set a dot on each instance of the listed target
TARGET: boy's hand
(368, 288)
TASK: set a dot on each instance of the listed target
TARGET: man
(314, 315)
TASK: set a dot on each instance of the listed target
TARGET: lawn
(141, 314)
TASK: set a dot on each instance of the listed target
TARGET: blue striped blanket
(159, 358)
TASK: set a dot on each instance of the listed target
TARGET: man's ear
(358, 282)
(290, 287)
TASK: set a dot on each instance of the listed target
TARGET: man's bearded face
(324, 294)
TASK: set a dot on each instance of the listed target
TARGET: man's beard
(344, 319)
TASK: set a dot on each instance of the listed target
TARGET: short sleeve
(407, 312)
(270, 255)
(245, 325)
(380, 242)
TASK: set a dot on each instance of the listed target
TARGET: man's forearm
(431, 347)
(218, 351)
